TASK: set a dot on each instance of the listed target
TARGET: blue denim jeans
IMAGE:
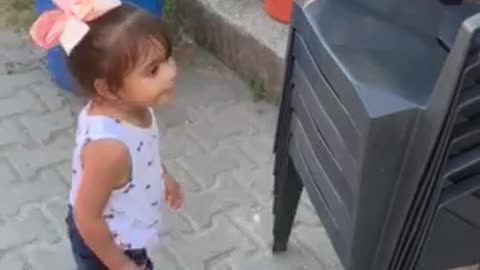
(86, 259)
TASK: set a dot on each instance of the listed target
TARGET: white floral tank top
(133, 213)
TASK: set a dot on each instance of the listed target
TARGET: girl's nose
(169, 70)
(173, 65)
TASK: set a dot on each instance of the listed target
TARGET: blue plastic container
(55, 57)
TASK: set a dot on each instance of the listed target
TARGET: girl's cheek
(173, 66)
(168, 71)
(164, 99)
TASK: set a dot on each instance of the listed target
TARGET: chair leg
(286, 203)
(280, 176)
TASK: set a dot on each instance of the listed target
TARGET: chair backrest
(373, 88)
(422, 16)
(448, 215)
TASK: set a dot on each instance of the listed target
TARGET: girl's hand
(173, 192)
(130, 265)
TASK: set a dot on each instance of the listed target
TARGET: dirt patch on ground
(16, 14)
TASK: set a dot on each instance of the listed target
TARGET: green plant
(257, 88)
(16, 14)
(169, 10)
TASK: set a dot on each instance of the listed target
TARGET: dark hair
(116, 43)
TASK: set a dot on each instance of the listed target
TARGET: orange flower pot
(280, 10)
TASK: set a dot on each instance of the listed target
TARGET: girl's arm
(173, 191)
(106, 166)
(165, 172)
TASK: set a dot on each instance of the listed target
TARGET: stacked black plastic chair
(380, 122)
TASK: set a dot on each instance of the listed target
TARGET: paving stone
(472, 267)
(17, 196)
(56, 257)
(214, 140)
(28, 161)
(317, 241)
(8, 177)
(306, 202)
(240, 114)
(259, 181)
(258, 148)
(65, 171)
(42, 127)
(49, 94)
(196, 252)
(21, 102)
(222, 266)
(165, 259)
(12, 133)
(175, 223)
(211, 134)
(12, 262)
(227, 193)
(75, 103)
(187, 181)
(257, 221)
(178, 113)
(19, 67)
(305, 216)
(205, 166)
(295, 258)
(266, 117)
(31, 226)
(10, 39)
(196, 89)
(21, 53)
(176, 142)
(56, 211)
(13, 83)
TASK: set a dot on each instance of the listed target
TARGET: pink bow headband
(67, 24)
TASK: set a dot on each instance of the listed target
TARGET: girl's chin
(164, 99)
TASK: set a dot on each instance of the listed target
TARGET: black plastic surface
(452, 19)
(366, 122)
(454, 239)
(451, 82)
(361, 114)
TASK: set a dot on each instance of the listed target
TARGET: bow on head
(67, 24)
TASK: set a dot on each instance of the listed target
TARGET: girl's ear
(102, 89)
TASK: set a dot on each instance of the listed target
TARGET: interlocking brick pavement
(215, 140)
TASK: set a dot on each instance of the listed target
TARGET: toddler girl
(120, 57)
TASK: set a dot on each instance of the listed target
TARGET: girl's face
(150, 83)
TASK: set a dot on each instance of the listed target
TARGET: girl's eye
(154, 69)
